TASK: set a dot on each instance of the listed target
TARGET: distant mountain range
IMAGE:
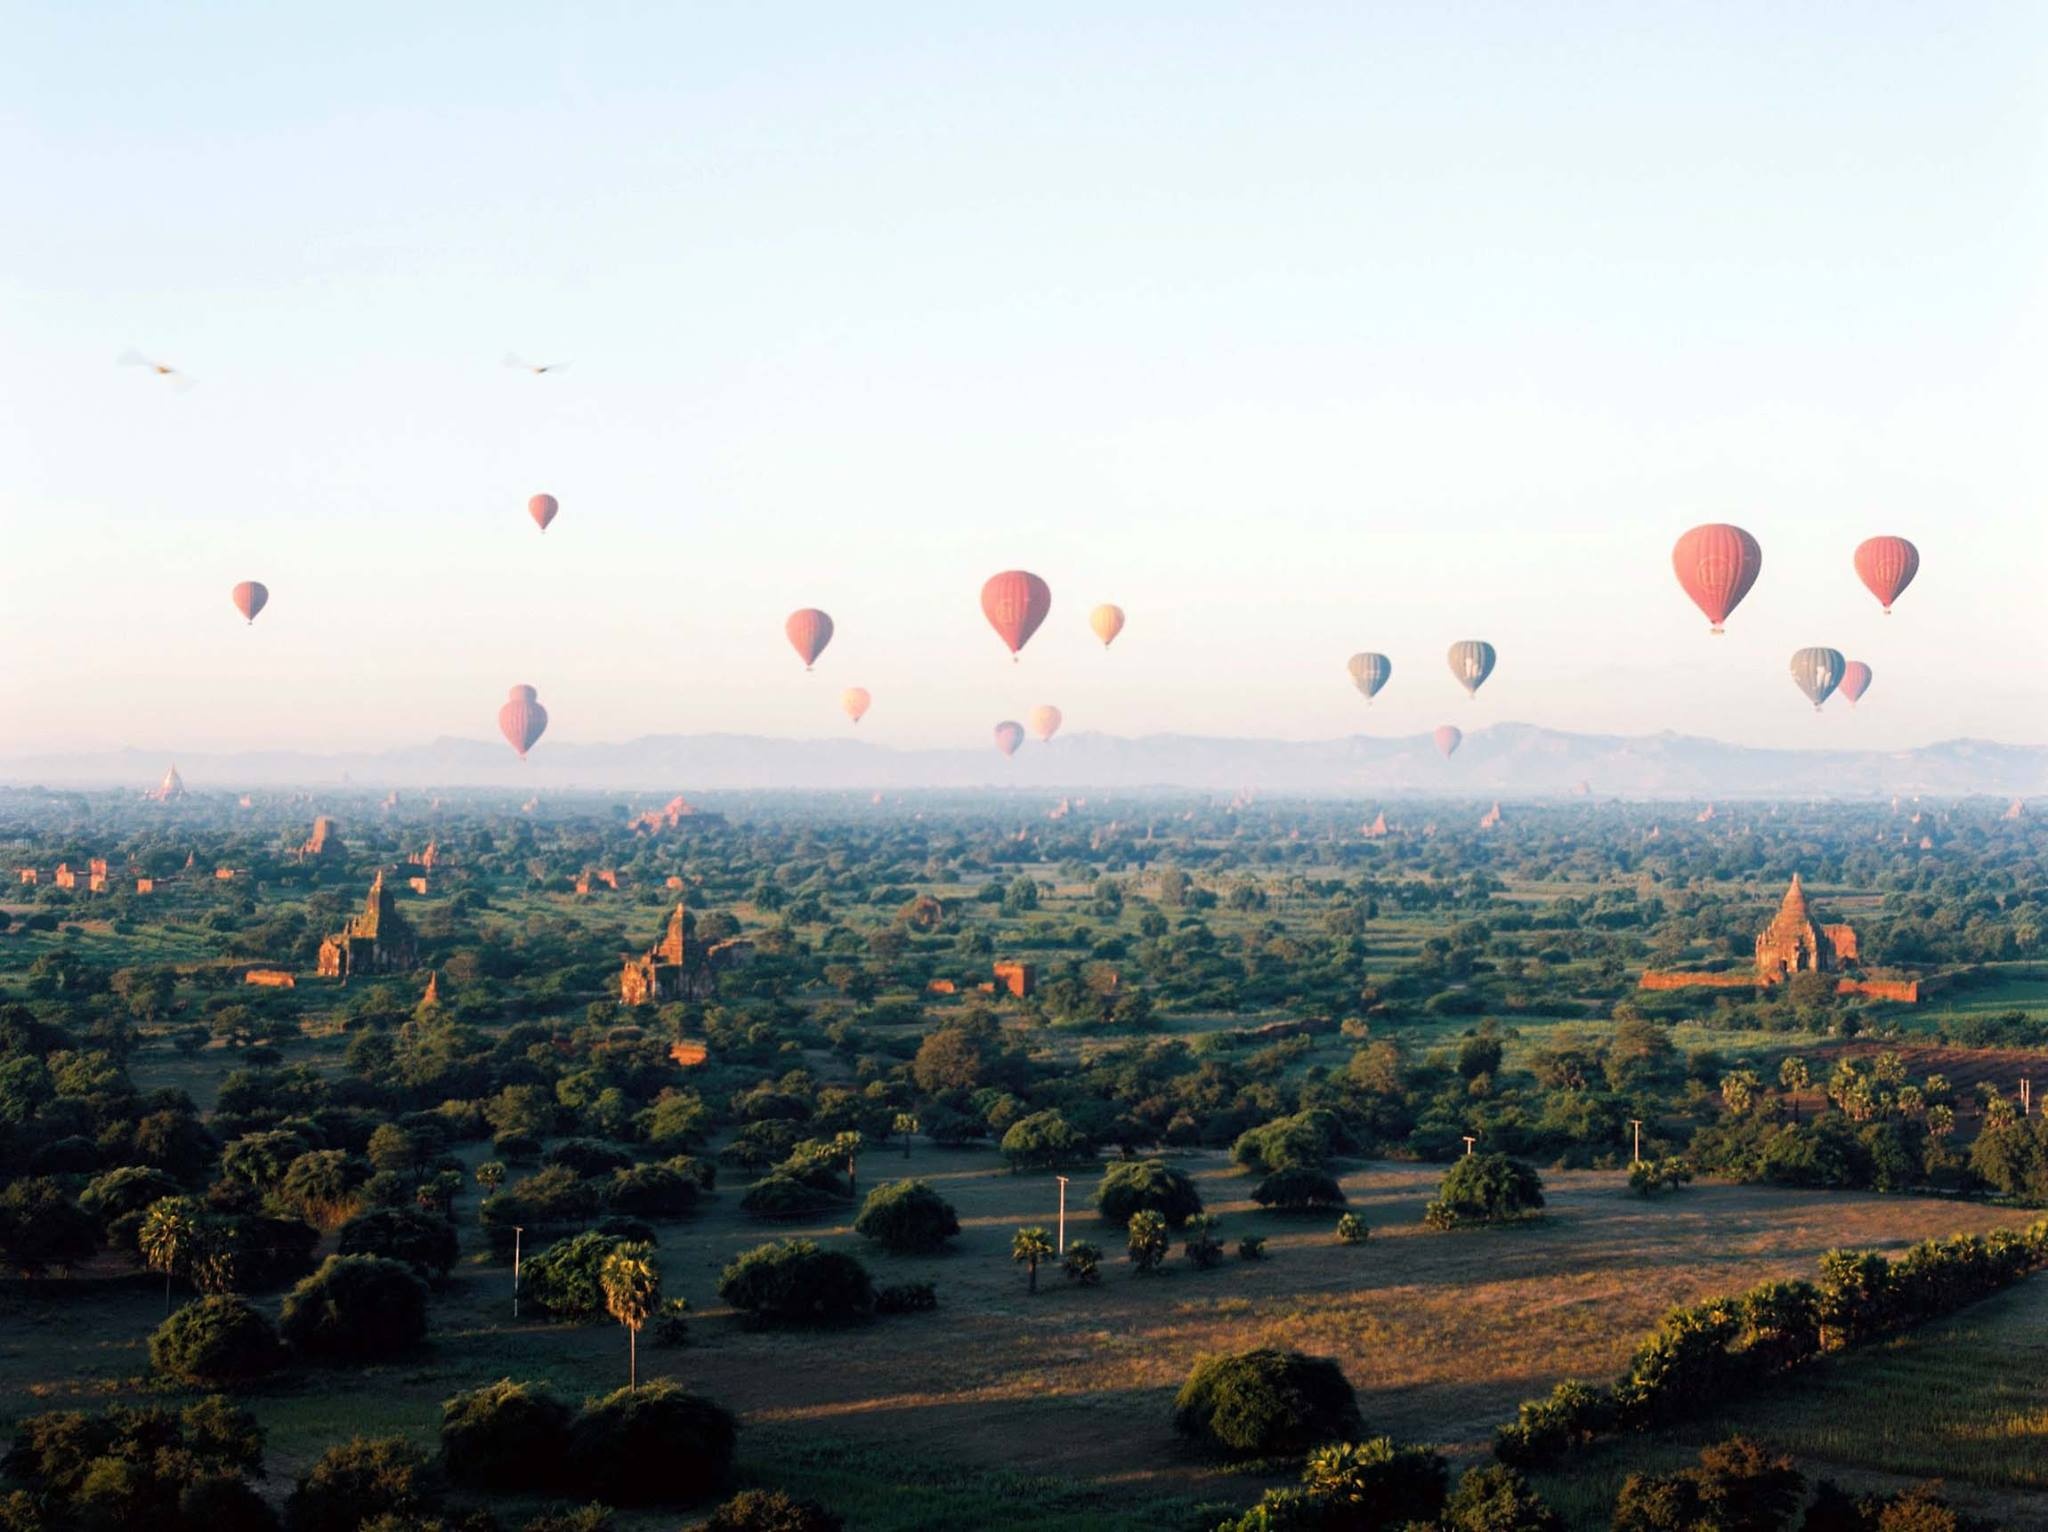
(1510, 759)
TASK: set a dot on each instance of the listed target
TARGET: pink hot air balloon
(809, 631)
(1887, 566)
(522, 720)
(542, 509)
(1855, 680)
(250, 598)
(1717, 564)
(1044, 721)
(854, 702)
(1448, 738)
(1015, 603)
(1009, 735)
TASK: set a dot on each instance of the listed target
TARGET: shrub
(1484, 1189)
(504, 1437)
(562, 1280)
(1266, 1402)
(587, 1156)
(671, 1323)
(795, 1281)
(142, 1468)
(652, 1446)
(1361, 1487)
(1203, 1248)
(770, 1510)
(1082, 1263)
(1147, 1185)
(1497, 1499)
(1648, 1177)
(219, 1340)
(651, 1191)
(324, 1187)
(1038, 1142)
(1298, 1190)
(907, 1218)
(1147, 1243)
(1304, 1141)
(1738, 1485)
(781, 1195)
(355, 1308)
(1352, 1230)
(423, 1241)
(359, 1481)
(555, 1200)
(906, 1298)
(516, 1148)
(1545, 1429)
(1252, 1248)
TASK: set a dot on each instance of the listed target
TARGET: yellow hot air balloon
(1044, 721)
(854, 702)
(1107, 621)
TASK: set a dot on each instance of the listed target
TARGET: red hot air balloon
(250, 598)
(1015, 602)
(522, 720)
(854, 702)
(809, 630)
(1855, 680)
(1448, 737)
(542, 509)
(1717, 564)
(1887, 565)
(1009, 735)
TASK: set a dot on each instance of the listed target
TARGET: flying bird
(536, 368)
(133, 358)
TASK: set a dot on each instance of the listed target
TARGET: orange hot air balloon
(1015, 602)
(809, 630)
(251, 597)
(1009, 735)
(1855, 680)
(1045, 721)
(522, 720)
(1107, 621)
(854, 702)
(1887, 565)
(542, 509)
(1448, 737)
(1717, 564)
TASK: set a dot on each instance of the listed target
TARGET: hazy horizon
(1294, 333)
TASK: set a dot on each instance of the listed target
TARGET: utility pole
(1637, 1124)
(1470, 1140)
(1063, 1213)
(518, 1230)
(2026, 1096)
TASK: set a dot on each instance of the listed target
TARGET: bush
(906, 1298)
(423, 1241)
(670, 1325)
(1146, 1244)
(1133, 1186)
(1546, 1429)
(654, 1446)
(1304, 1141)
(652, 1191)
(1485, 1189)
(770, 1510)
(1298, 1190)
(780, 1195)
(795, 1281)
(1082, 1263)
(1361, 1487)
(1040, 1142)
(562, 1280)
(142, 1468)
(587, 1156)
(218, 1340)
(1648, 1177)
(550, 1203)
(1203, 1248)
(1352, 1230)
(1252, 1248)
(1266, 1402)
(359, 1481)
(907, 1218)
(355, 1308)
(1738, 1485)
(505, 1437)
(1497, 1499)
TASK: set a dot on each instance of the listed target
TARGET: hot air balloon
(1369, 672)
(1817, 672)
(1717, 564)
(542, 509)
(251, 597)
(1887, 565)
(1471, 662)
(1015, 603)
(1107, 621)
(1855, 680)
(522, 720)
(1009, 735)
(1448, 737)
(854, 702)
(809, 630)
(1045, 721)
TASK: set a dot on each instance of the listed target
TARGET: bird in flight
(536, 368)
(132, 358)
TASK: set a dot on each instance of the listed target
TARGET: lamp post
(1470, 1140)
(518, 1231)
(1063, 1213)
(1637, 1124)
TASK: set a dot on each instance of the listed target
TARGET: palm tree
(166, 1238)
(904, 1126)
(1031, 1245)
(631, 1279)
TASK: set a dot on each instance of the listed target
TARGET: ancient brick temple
(1793, 943)
(674, 970)
(377, 941)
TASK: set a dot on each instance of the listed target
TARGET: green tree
(1147, 1241)
(632, 1292)
(166, 1238)
(907, 1218)
(1031, 1244)
(1265, 1402)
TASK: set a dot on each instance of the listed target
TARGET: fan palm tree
(1031, 1245)
(631, 1279)
(166, 1237)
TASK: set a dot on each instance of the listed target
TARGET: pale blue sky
(1296, 329)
